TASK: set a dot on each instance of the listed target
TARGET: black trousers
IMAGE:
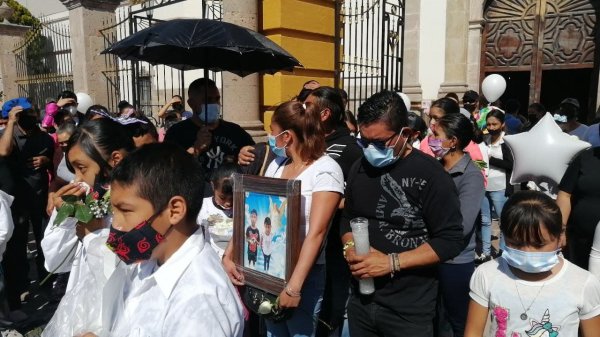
(26, 211)
(367, 319)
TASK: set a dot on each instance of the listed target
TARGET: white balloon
(493, 86)
(84, 101)
(543, 153)
(406, 100)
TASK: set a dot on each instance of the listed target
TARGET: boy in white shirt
(178, 288)
(265, 243)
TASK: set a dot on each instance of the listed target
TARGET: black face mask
(27, 123)
(494, 132)
(177, 106)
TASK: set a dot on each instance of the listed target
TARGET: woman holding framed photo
(298, 142)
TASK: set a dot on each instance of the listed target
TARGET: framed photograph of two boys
(267, 233)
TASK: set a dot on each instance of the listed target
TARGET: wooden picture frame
(281, 235)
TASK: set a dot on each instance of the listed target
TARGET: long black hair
(98, 139)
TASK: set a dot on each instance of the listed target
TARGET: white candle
(360, 232)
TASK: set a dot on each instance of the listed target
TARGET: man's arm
(6, 141)
(163, 111)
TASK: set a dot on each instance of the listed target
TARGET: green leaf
(70, 198)
(65, 211)
(480, 164)
(83, 213)
(88, 198)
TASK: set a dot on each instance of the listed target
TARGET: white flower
(265, 307)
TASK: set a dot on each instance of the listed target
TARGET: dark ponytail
(459, 126)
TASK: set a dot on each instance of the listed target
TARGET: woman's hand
(69, 189)
(236, 277)
(374, 264)
(287, 301)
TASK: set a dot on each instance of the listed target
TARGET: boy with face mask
(177, 287)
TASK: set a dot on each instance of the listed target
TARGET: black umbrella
(201, 43)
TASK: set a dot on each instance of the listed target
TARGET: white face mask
(210, 113)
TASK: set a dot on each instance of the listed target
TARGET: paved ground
(36, 305)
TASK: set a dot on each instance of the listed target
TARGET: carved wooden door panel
(537, 35)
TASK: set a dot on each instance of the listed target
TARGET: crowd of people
(133, 225)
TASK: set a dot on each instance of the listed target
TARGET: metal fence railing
(370, 38)
(147, 87)
(43, 61)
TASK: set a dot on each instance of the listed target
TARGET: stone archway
(542, 44)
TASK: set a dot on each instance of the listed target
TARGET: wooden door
(538, 35)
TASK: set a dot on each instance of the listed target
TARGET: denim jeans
(454, 294)
(497, 199)
(303, 322)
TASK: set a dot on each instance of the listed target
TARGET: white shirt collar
(167, 275)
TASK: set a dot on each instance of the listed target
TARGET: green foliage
(21, 16)
(480, 164)
(35, 43)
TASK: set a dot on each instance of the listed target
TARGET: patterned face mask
(137, 244)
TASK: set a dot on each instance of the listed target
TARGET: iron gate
(370, 36)
(147, 87)
(43, 61)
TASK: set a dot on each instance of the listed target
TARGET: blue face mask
(210, 113)
(382, 157)
(278, 151)
(530, 262)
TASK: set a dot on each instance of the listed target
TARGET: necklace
(524, 316)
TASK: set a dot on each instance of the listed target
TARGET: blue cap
(8, 105)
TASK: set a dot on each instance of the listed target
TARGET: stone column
(86, 19)
(10, 35)
(457, 31)
(410, 66)
(474, 44)
(241, 96)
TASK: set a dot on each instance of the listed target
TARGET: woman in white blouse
(299, 143)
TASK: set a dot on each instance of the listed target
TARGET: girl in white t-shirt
(532, 290)
(216, 213)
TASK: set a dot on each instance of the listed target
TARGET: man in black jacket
(413, 211)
